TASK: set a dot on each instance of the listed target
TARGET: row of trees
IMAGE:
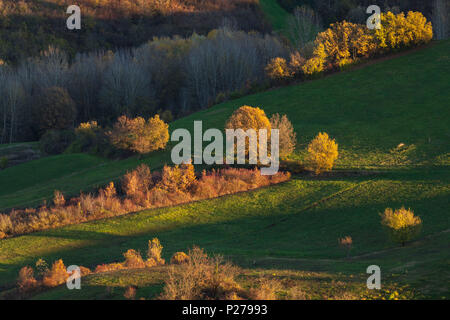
(176, 74)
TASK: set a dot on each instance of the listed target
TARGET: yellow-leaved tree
(246, 118)
(402, 224)
(322, 152)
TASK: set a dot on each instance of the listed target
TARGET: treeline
(180, 75)
(330, 11)
(28, 27)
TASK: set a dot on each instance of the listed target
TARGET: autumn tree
(322, 152)
(54, 109)
(138, 135)
(402, 224)
(287, 135)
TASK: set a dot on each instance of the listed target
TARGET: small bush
(179, 258)
(26, 280)
(3, 162)
(130, 293)
(402, 224)
(278, 70)
(346, 243)
(138, 135)
(202, 277)
(154, 253)
(266, 290)
(133, 260)
(54, 109)
(322, 152)
(177, 178)
(56, 141)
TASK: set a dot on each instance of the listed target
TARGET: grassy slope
(369, 111)
(302, 219)
(275, 14)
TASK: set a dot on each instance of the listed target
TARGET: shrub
(179, 258)
(322, 152)
(54, 109)
(133, 260)
(26, 280)
(154, 252)
(402, 224)
(130, 293)
(202, 277)
(90, 138)
(58, 199)
(56, 275)
(266, 290)
(138, 135)
(278, 70)
(346, 243)
(3, 162)
(399, 31)
(287, 136)
(247, 117)
(137, 182)
(42, 268)
(56, 141)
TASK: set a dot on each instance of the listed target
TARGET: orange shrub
(402, 224)
(138, 135)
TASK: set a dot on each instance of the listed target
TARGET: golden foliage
(322, 152)
(154, 252)
(398, 30)
(26, 280)
(177, 178)
(402, 224)
(56, 275)
(287, 135)
(138, 135)
(278, 69)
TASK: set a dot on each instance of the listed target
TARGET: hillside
(369, 111)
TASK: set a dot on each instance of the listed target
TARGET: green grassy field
(293, 226)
